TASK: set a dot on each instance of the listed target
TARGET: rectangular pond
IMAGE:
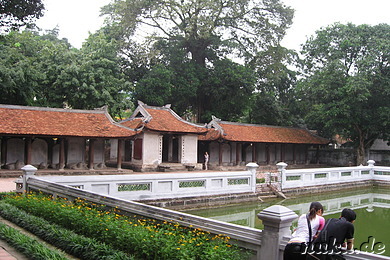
(372, 207)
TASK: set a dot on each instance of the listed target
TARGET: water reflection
(371, 205)
(245, 214)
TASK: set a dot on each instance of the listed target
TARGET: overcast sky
(76, 18)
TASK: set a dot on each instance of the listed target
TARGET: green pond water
(372, 206)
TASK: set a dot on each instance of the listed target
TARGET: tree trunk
(360, 152)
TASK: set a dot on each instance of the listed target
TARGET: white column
(277, 221)
(28, 171)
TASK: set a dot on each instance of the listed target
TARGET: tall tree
(17, 13)
(204, 31)
(347, 86)
(42, 70)
(275, 90)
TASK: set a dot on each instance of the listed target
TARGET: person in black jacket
(336, 236)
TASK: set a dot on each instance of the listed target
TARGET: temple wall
(189, 149)
(152, 148)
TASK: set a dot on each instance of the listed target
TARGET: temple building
(235, 144)
(164, 140)
(57, 138)
(151, 139)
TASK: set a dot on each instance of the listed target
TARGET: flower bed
(144, 238)
(73, 244)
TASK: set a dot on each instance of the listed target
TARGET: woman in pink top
(302, 236)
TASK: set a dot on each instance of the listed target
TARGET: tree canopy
(193, 37)
(346, 89)
(17, 13)
(42, 70)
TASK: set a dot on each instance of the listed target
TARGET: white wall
(152, 148)
(189, 149)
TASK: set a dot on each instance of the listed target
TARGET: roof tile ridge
(259, 125)
(52, 109)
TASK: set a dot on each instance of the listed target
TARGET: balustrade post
(282, 173)
(277, 220)
(28, 171)
(371, 164)
(252, 168)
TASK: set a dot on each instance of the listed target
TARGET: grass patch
(27, 245)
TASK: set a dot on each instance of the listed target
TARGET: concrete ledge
(334, 187)
(203, 201)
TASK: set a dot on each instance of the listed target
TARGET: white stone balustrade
(324, 176)
(163, 185)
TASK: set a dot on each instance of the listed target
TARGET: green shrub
(145, 238)
(74, 244)
(27, 245)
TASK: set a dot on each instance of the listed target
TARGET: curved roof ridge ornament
(215, 123)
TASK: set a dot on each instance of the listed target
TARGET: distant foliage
(17, 13)
(346, 84)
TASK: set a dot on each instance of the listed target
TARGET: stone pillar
(3, 151)
(307, 161)
(91, 154)
(252, 168)
(28, 171)
(119, 154)
(238, 151)
(294, 148)
(277, 220)
(61, 163)
(28, 150)
(254, 157)
(371, 164)
(220, 151)
(267, 150)
(282, 173)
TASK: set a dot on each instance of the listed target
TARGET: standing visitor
(308, 226)
(206, 160)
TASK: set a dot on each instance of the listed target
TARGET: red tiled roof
(22, 120)
(161, 119)
(164, 120)
(266, 134)
(212, 134)
(133, 124)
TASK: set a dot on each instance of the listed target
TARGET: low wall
(331, 178)
(141, 187)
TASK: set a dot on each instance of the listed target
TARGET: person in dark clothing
(336, 236)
